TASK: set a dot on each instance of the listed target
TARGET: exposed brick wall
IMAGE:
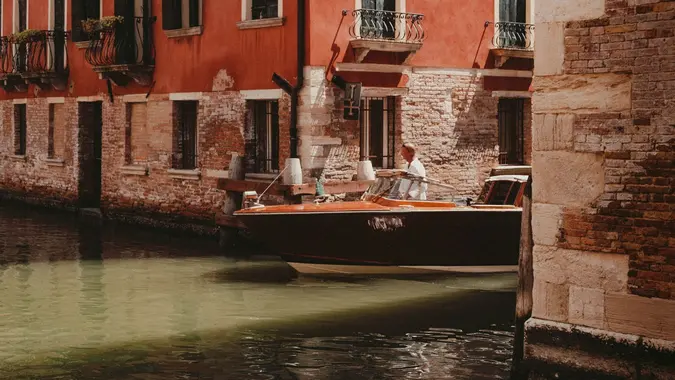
(635, 215)
(453, 122)
(451, 118)
(220, 128)
(139, 137)
(57, 120)
(32, 176)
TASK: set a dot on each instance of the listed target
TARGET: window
(378, 19)
(378, 128)
(20, 24)
(20, 129)
(57, 131)
(57, 23)
(137, 137)
(262, 139)
(511, 131)
(181, 14)
(21, 13)
(83, 10)
(511, 29)
(261, 9)
(185, 135)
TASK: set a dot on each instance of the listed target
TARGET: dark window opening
(83, 10)
(22, 15)
(261, 9)
(20, 129)
(185, 135)
(21, 53)
(128, 158)
(179, 14)
(262, 143)
(59, 36)
(511, 131)
(50, 133)
(378, 131)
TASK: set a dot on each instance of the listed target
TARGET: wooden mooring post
(525, 283)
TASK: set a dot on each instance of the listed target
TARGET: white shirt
(416, 191)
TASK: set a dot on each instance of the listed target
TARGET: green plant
(25, 36)
(91, 25)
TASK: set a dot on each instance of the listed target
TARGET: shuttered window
(180, 14)
(81, 11)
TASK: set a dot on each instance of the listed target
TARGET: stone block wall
(603, 162)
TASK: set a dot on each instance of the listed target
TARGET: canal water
(80, 301)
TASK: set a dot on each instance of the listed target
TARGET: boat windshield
(398, 187)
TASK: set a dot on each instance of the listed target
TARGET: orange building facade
(136, 107)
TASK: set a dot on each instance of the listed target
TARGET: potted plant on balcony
(28, 35)
(91, 25)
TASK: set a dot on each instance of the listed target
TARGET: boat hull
(459, 237)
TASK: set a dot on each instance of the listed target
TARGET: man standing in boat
(416, 190)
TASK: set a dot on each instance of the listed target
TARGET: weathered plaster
(568, 10)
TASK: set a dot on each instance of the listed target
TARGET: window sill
(55, 162)
(16, 157)
(138, 170)
(261, 176)
(262, 23)
(185, 174)
(184, 32)
(82, 44)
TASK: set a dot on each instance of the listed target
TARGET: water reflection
(82, 301)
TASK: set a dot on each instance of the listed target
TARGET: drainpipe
(301, 78)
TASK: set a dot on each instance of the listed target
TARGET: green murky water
(82, 302)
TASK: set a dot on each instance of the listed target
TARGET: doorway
(90, 121)
(511, 131)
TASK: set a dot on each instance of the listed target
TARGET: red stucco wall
(187, 64)
(456, 34)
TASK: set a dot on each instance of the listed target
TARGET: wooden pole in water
(525, 283)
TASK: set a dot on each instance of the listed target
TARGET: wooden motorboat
(386, 231)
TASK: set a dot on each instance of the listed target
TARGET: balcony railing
(370, 24)
(40, 58)
(41, 53)
(513, 35)
(122, 44)
(6, 64)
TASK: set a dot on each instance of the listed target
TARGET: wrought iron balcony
(380, 30)
(512, 40)
(123, 51)
(40, 58)
(513, 35)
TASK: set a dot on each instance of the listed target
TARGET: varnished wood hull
(462, 236)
